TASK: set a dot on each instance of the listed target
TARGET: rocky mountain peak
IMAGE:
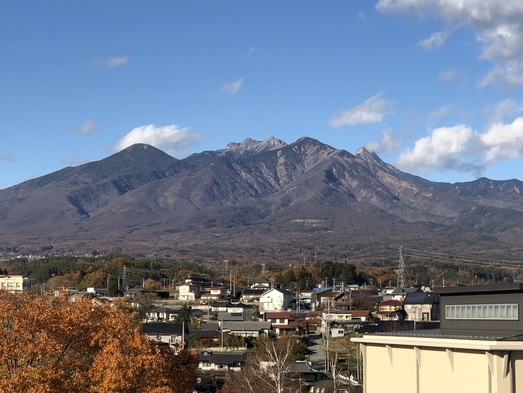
(252, 146)
(367, 155)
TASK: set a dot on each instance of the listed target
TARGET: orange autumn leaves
(50, 344)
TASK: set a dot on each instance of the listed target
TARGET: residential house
(320, 298)
(165, 314)
(391, 310)
(275, 300)
(189, 292)
(261, 284)
(283, 323)
(221, 361)
(172, 334)
(226, 306)
(343, 318)
(421, 306)
(214, 293)
(247, 329)
(14, 283)
(161, 314)
(251, 295)
(195, 279)
(477, 348)
(400, 293)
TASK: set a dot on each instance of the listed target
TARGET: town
(319, 339)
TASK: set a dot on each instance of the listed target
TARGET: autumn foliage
(50, 344)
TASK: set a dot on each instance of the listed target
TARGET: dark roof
(421, 298)
(164, 328)
(471, 289)
(210, 326)
(164, 310)
(391, 303)
(229, 358)
(230, 316)
(458, 334)
(204, 333)
(399, 291)
(300, 368)
(253, 292)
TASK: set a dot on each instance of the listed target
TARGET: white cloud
(171, 139)
(442, 149)
(112, 62)
(496, 24)
(251, 51)
(462, 149)
(448, 76)
(7, 157)
(440, 112)
(434, 41)
(507, 107)
(390, 141)
(503, 141)
(370, 111)
(361, 15)
(231, 88)
(508, 74)
(87, 127)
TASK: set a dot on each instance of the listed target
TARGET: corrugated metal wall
(482, 324)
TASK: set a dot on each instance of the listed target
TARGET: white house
(275, 300)
(189, 292)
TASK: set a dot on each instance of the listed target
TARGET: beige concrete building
(14, 283)
(478, 348)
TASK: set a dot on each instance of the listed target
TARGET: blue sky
(433, 86)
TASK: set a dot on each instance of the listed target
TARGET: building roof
(455, 335)
(210, 326)
(476, 289)
(283, 291)
(230, 316)
(391, 302)
(277, 315)
(164, 310)
(247, 326)
(204, 333)
(360, 313)
(421, 298)
(400, 291)
(300, 368)
(164, 328)
(253, 292)
(229, 358)
(292, 325)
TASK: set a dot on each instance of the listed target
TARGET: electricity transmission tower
(401, 270)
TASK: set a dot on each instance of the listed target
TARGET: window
(483, 311)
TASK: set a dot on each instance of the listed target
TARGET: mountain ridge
(253, 195)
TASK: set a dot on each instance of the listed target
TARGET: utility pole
(125, 283)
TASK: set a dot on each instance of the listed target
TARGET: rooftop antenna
(401, 270)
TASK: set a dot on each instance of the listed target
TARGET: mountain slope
(254, 195)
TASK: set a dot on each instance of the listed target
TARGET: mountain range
(257, 201)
